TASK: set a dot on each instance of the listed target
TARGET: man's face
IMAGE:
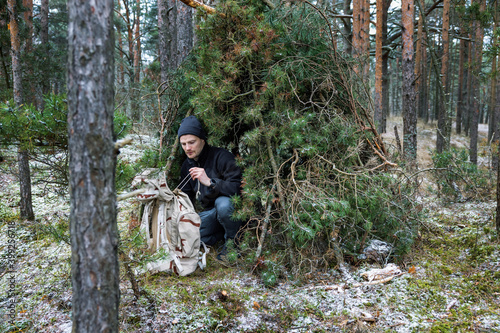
(192, 145)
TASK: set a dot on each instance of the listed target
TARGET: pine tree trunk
(360, 36)
(385, 64)
(478, 56)
(468, 90)
(491, 106)
(347, 28)
(423, 76)
(4, 68)
(26, 204)
(377, 98)
(44, 83)
(184, 31)
(496, 134)
(409, 94)
(94, 235)
(167, 14)
(496, 104)
(137, 44)
(498, 203)
(461, 84)
(444, 119)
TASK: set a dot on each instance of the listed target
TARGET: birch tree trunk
(94, 235)
(409, 94)
(26, 203)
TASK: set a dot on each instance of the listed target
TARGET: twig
(355, 285)
(264, 230)
(130, 195)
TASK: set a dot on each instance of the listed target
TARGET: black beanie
(191, 125)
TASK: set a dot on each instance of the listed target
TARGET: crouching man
(219, 178)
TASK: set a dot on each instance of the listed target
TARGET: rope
(184, 182)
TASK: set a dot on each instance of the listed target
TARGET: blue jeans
(217, 224)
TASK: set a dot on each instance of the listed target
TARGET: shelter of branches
(271, 86)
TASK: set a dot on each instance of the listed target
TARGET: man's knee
(224, 206)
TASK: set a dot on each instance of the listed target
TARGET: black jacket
(220, 166)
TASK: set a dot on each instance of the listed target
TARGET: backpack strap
(202, 258)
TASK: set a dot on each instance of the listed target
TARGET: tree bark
(44, 83)
(184, 31)
(498, 203)
(491, 106)
(377, 98)
(381, 61)
(94, 235)
(347, 28)
(4, 68)
(462, 79)
(469, 94)
(443, 132)
(360, 39)
(385, 64)
(167, 12)
(409, 94)
(496, 104)
(421, 69)
(478, 56)
(26, 203)
(137, 44)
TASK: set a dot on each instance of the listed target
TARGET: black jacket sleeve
(228, 176)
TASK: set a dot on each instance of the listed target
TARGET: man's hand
(201, 175)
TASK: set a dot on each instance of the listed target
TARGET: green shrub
(457, 178)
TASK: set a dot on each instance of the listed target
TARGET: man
(214, 178)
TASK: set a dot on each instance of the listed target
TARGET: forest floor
(450, 282)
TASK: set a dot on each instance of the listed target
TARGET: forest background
(301, 92)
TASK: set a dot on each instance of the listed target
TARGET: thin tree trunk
(498, 203)
(443, 124)
(497, 140)
(4, 69)
(496, 111)
(26, 204)
(377, 98)
(491, 106)
(468, 91)
(137, 44)
(385, 76)
(347, 28)
(409, 94)
(44, 84)
(360, 37)
(461, 81)
(478, 56)
(94, 234)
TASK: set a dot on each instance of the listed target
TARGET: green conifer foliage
(270, 86)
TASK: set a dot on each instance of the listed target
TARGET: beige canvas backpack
(171, 223)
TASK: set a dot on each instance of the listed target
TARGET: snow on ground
(450, 283)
